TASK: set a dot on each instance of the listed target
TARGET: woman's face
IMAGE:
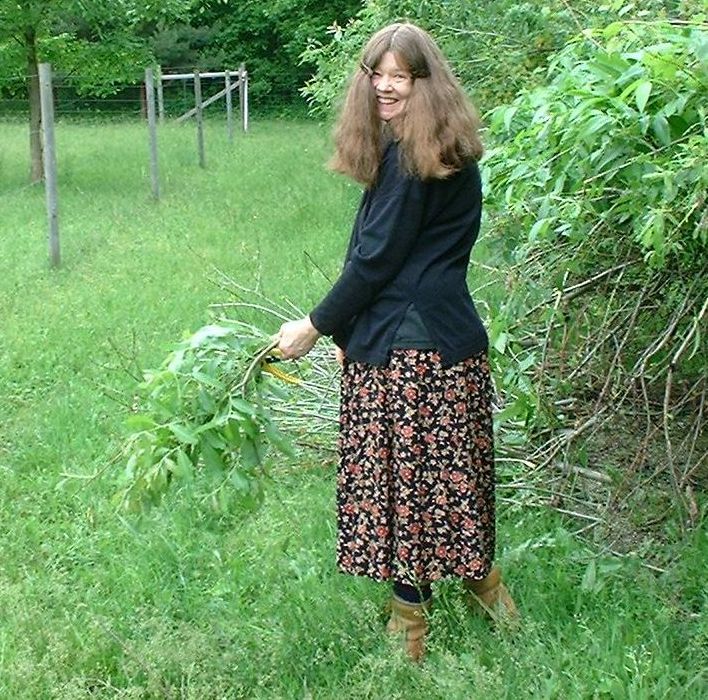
(392, 85)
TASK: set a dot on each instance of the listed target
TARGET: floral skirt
(415, 486)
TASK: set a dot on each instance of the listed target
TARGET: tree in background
(101, 42)
(97, 45)
(183, 47)
(270, 38)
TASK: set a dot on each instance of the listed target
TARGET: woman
(415, 492)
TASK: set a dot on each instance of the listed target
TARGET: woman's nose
(384, 83)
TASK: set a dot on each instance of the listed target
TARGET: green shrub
(598, 185)
(496, 49)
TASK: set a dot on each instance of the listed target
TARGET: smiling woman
(415, 488)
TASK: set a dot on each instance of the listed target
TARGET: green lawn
(189, 603)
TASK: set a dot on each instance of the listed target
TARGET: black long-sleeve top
(410, 244)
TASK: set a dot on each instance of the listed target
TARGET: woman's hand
(296, 338)
(339, 355)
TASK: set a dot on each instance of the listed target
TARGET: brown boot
(410, 620)
(491, 597)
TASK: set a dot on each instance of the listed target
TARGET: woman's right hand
(339, 355)
(296, 338)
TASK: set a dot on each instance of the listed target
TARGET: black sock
(412, 594)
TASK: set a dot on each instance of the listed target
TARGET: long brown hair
(438, 131)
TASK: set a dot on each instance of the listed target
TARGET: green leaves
(203, 414)
(660, 127)
(600, 170)
(579, 149)
(98, 44)
(641, 94)
(183, 433)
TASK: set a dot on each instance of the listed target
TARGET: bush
(496, 49)
(598, 185)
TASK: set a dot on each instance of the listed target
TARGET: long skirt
(415, 486)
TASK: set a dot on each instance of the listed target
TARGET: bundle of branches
(214, 411)
(310, 412)
(599, 185)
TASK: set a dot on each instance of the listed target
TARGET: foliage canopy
(496, 49)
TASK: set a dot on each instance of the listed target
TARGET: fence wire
(128, 100)
(23, 152)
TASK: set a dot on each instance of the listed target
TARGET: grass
(189, 603)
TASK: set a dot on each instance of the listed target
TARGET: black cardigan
(411, 243)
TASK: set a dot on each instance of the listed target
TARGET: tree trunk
(35, 110)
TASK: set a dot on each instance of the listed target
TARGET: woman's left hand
(297, 338)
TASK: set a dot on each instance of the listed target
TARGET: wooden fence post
(160, 96)
(152, 128)
(229, 107)
(241, 71)
(50, 161)
(245, 100)
(200, 118)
